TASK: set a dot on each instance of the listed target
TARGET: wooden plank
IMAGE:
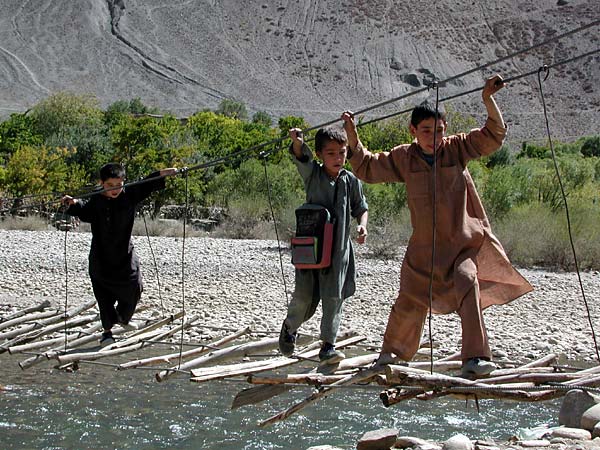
(34, 317)
(133, 343)
(203, 375)
(226, 354)
(50, 342)
(167, 359)
(28, 337)
(359, 377)
(45, 322)
(45, 304)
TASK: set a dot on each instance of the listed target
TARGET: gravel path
(239, 282)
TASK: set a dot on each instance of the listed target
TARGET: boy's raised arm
(297, 141)
(492, 85)
(351, 133)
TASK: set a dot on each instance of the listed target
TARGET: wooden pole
(218, 372)
(129, 345)
(22, 312)
(167, 359)
(225, 354)
(347, 380)
(34, 317)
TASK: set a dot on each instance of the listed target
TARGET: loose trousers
(407, 317)
(302, 308)
(126, 296)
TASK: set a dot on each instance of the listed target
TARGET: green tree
(64, 110)
(17, 130)
(261, 117)
(34, 170)
(590, 146)
(232, 108)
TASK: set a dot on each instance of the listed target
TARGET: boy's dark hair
(112, 170)
(324, 135)
(426, 111)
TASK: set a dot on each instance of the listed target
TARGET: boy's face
(333, 155)
(115, 186)
(424, 133)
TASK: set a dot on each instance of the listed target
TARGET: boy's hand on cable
(169, 171)
(350, 128)
(67, 200)
(297, 139)
(492, 85)
(362, 234)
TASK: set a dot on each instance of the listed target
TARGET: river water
(100, 408)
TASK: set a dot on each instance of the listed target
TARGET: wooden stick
(34, 317)
(544, 361)
(225, 354)
(219, 372)
(54, 352)
(22, 312)
(47, 330)
(132, 344)
(315, 379)
(51, 320)
(348, 380)
(50, 342)
(392, 396)
(167, 359)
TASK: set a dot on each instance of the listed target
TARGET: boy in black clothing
(114, 266)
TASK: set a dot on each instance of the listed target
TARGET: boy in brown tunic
(471, 270)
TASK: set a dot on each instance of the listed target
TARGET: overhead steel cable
(477, 89)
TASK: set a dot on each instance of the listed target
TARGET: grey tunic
(337, 280)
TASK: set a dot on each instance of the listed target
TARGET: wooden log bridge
(44, 333)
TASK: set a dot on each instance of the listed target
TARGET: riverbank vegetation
(58, 146)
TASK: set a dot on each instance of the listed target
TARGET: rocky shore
(239, 282)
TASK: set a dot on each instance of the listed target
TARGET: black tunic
(112, 257)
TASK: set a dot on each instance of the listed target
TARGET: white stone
(458, 442)
(591, 417)
(571, 433)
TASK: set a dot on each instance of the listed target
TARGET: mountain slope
(303, 57)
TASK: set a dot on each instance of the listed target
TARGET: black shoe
(106, 339)
(329, 355)
(287, 340)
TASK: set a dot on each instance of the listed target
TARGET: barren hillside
(304, 57)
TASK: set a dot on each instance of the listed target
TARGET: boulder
(534, 443)
(590, 418)
(574, 404)
(458, 442)
(378, 439)
(409, 442)
(324, 447)
(571, 433)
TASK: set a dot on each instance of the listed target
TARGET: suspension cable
(264, 158)
(162, 306)
(185, 216)
(66, 284)
(435, 86)
(564, 198)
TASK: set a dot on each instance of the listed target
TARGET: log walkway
(44, 334)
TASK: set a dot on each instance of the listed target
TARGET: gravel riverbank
(239, 282)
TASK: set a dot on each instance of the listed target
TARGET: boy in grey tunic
(331, 285)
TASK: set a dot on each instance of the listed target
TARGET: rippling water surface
(100, 408)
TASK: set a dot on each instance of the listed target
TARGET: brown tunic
(467, 254)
